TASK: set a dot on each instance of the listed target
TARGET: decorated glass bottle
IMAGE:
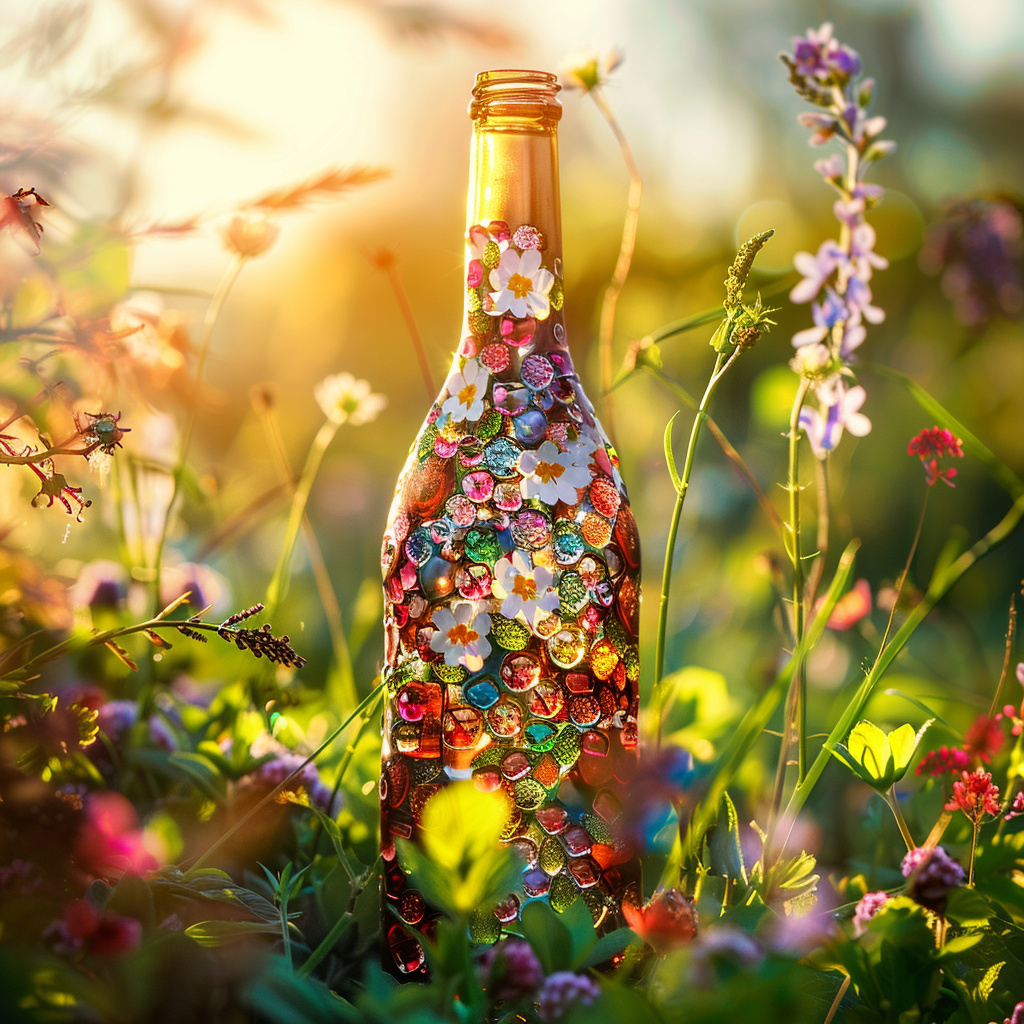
(511, 560)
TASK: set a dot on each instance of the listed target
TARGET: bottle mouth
(530, 97)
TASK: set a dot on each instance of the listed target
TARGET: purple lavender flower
(281, 764)
(816, 269)
(510, 970)
(561, 990)
(978, 248)
(868, 905)
(931, 876)
(825, 428)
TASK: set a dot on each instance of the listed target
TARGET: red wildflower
(110, 843)
(984, 739)
(99, 932)
(667, 920)
(942, 761)
(933, 444)
(975, 795)
(851, 607)
(1017, 807)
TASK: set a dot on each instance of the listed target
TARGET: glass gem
(487, 780)
(461, 727)
(577, 841)
(526, 236)
(419, 546)
(411, 906)
(628, 537)
(546, 771)
(585, 872)
(604, 497)
(441, 531)
(604, 593)
(495, 357)
(526, 850)
(530, 530)
(595, 743)
(489, 425)
(545, 401)
(507, 497)
(566, 748)
(553, 820)
(529, 794)
(537, 372)
(518, 332)
(563, 894)
(629, 605)
(551, 858)
(559, 333)
(437, 578)
(597, 531)
(504, 720)
(530, 427)
(397, 781)
(484, 928)
(502, 456)
(412, 702)
(482, 693)
(509, 633)
(603, 659)
(482, 545)
(613, 559)
(567, 541)
(478, 486)
(405, 950)
(584, 709)
(473, 581)
(445, 447)
(607, 806)
(568, 647)
(508, 909)
(572, 594)
(521, 671)
(461, 510)
(579, 682)
(511, 399)
(539, 735)
(546, 699)
(515, 765)
(535, 883)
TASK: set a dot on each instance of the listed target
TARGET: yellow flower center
(525, 588)
(467, 395)
(522, 286)
(548, 471)
(462, 634)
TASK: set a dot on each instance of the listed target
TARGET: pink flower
(816, 270)
(869, 905)
(932, 444)
(975, 795)
(667, 920)
(561, 990)
(109, 843)
(99, 932)
(851, 607)
(985, 738)
(942, 761)
(510, 970)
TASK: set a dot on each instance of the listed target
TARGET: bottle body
(511, 576)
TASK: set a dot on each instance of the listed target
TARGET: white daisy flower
(526, 592)
(551, 475)
(521, 285)
(347, 400)
(467, 390)
(461, 635)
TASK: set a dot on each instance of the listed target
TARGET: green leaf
(932, 715)
(218, 933)
(581, 928)
(549, 938)
(1000, 472)
(670, 459)
(608, 945)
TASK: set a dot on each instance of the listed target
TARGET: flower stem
(974, 847)
(893, 802)
(209, 322)
(722, 363)
(278, 584)
(799, 679)
(414, 332)
(610, 301)
(906, 571)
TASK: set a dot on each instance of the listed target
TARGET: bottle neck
(514, 229)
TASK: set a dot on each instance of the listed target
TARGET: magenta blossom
(869, 905)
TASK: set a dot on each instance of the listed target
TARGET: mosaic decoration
(511, 579)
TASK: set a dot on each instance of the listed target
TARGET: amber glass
(511, 562)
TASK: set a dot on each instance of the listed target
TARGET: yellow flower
(585, 70)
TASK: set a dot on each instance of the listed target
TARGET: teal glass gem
(483, 546)
(481, 693)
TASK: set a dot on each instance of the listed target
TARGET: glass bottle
(511, 560)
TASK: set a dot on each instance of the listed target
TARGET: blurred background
(145, 123)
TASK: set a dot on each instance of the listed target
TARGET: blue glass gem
(531, 426)
(481, 693)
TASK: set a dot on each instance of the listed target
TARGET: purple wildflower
(825, 428)
(510, 970)
(561, 990)
(931, 875)
(816, 269)
(1017, 1017)
(868, 905)
(281, 764)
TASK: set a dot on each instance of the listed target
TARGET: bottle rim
(516, 93)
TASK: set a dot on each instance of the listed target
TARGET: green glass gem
(489, 424)
(555, 296)
(453, 674)
(566, 747)
(540, 735)
(616, 632)
(484, 927)
(529, 794)
(598, 828)
(562, 894)
(423, 769)
(426, 445)
(572, 593)
(481, 323)
(631, 659)
(483, 546)
(596, 902)
(509, 633)
(552, 857)
(490, 757)
(473, 301)
(491, 256)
